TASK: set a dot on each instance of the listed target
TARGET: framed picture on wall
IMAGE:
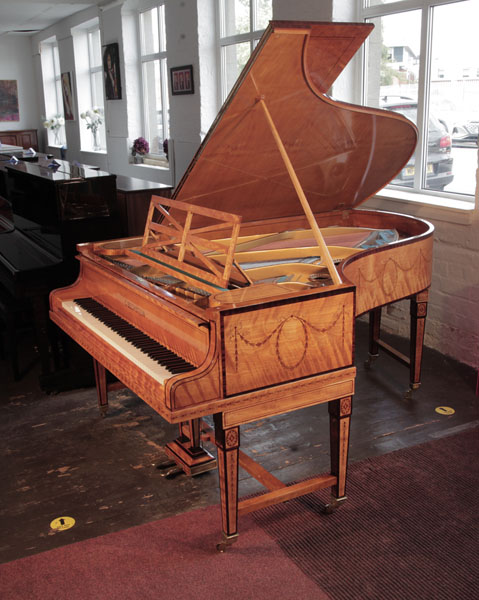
(111, 71)
(67, 93)
(182, 80)
(9, 100)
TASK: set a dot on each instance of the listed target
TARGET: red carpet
(167, 559)
(408, 531)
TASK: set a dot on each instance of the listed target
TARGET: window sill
(151, 163)
(93, 151)
(425, 206)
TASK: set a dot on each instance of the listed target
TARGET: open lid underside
(342, 154)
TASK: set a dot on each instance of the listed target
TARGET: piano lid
(341, 153)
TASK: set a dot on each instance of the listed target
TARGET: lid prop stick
(302, 198)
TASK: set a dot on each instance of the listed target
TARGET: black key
(136, 337)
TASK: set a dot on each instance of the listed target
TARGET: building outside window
(418, 62)
(52, 91)
(241, 24)
(154, 76)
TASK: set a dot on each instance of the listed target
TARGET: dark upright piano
(239, 300)
(45, 212)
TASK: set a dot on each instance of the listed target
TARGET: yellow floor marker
(445, 410)
(62, 523)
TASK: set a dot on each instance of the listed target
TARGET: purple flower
(141, 146)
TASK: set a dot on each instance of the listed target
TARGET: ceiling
(26, 17)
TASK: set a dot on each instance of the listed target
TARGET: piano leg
(187, 453)
(41, 321)
(227, 442)
(418, 310)
(374, 333)
(101, 387)
(339, 425)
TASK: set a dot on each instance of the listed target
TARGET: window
(52, 91)
(95, 68)
(154, 78)
(419, 62)
(242, 23)
(89, 78)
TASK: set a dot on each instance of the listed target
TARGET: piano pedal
(369, 362)
(334, 505)
(169, 469)
(227, 541)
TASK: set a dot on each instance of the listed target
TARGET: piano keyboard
(159, 362)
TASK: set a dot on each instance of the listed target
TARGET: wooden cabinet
(26, 138)
(133, 197)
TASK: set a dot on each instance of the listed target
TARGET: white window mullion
(154, 80)
(229, 63)
(423, 97)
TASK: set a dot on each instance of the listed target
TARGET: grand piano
(239, 301)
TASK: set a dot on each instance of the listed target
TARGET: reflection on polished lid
(341, 153)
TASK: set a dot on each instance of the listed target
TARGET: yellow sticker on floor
(445, 410)
(62, 523)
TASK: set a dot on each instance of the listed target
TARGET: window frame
(417, 193)
(85, 89)
(51, 46)
(162, 57)
(92, 70)
(96, 69)
(252, 36)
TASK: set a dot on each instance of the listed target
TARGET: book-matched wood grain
(383, 276)
(287, 341)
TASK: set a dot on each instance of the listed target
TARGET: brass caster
(413, 387)
(334, 505)
(227, 541)
(369, 362)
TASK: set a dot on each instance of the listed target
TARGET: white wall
(16, 63)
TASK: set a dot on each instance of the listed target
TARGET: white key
(139, 358)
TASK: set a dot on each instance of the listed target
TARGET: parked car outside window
(466, 133)
(439, 159)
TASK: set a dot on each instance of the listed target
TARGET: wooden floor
(59, 458)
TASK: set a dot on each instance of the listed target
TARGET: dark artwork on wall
(111, 71)
(67, 94)
(9, 100)
(182, 80)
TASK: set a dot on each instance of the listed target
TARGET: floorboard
(59, 457)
